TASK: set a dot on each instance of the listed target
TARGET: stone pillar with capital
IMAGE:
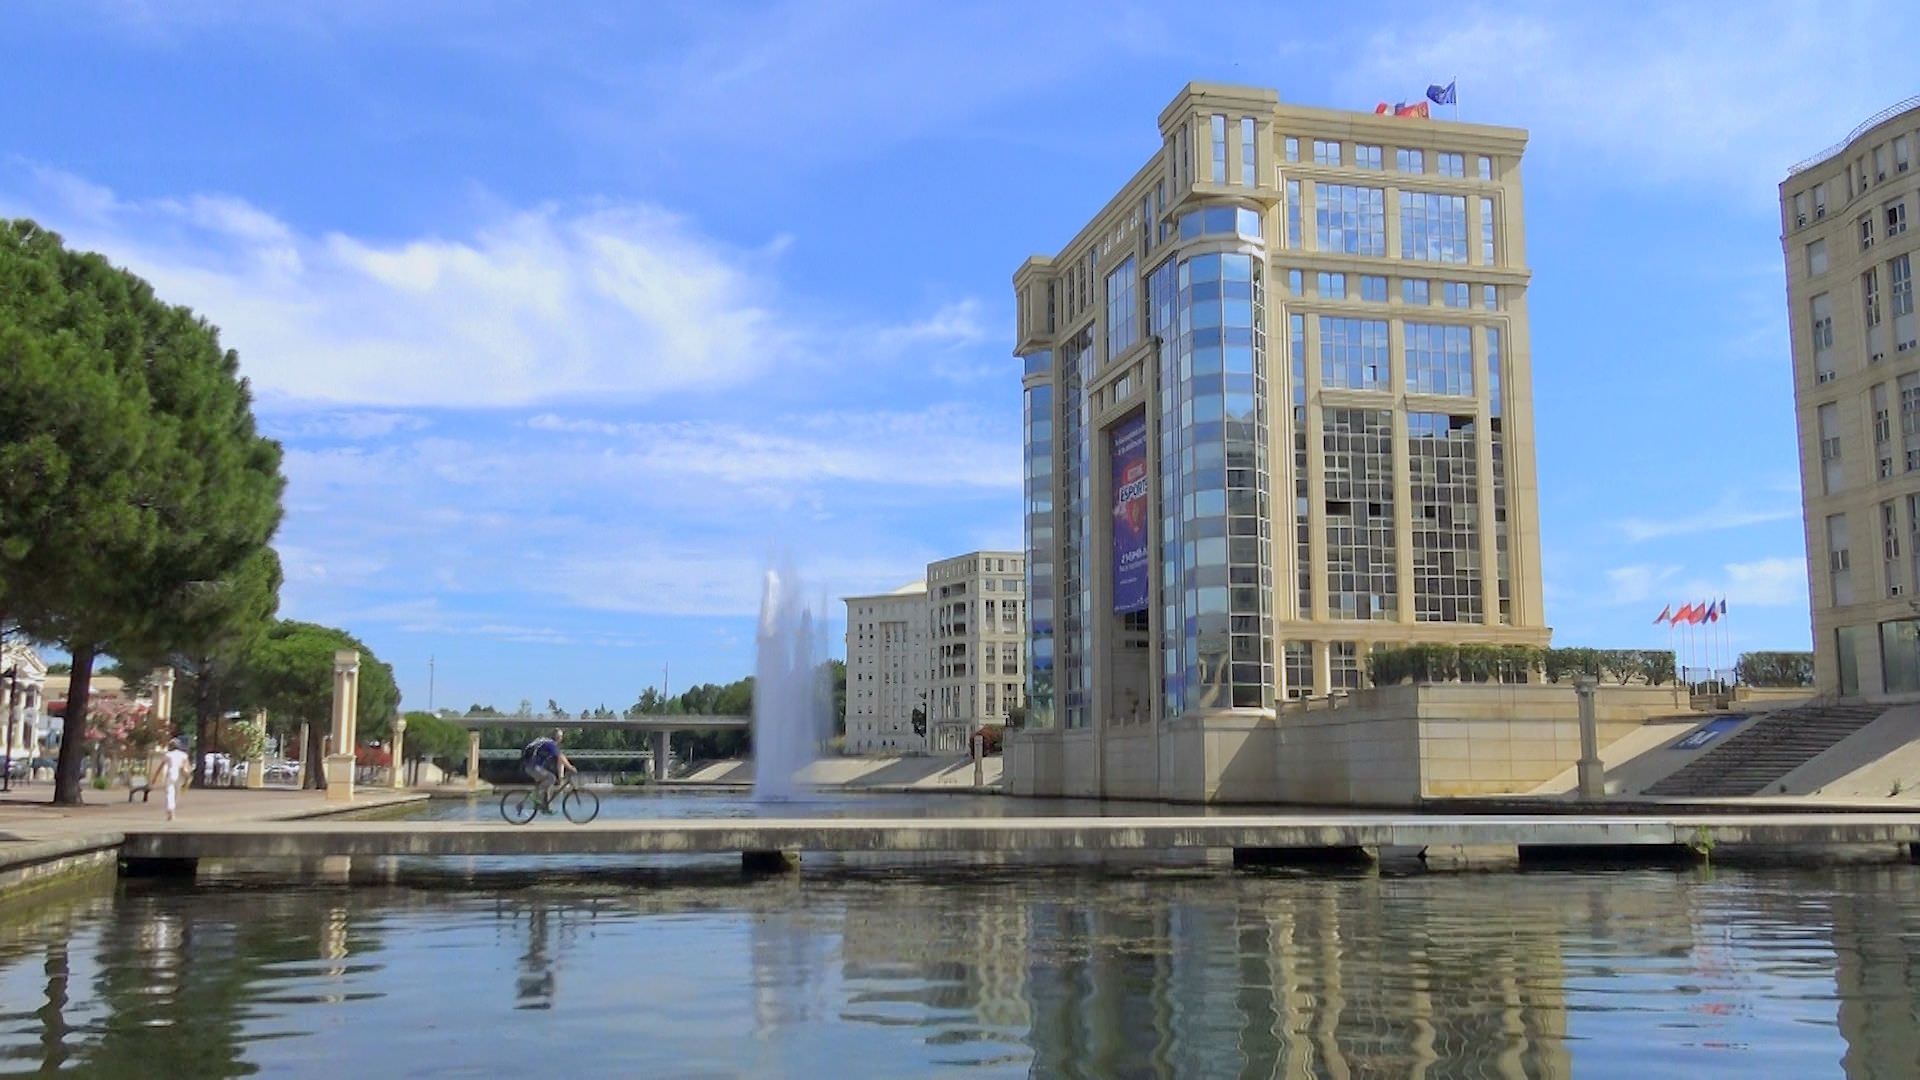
(257, 764)
(1592, 772)
(398, 759)
(662, 748)
(346, 678)
(473, 761)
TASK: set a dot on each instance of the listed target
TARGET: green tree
(434, 738)
(133, 482)
(290, 672)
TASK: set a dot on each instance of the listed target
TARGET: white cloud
(350, 425)
(1635, 584)
(1674, 93)
(1733, 510)
(1772, 582)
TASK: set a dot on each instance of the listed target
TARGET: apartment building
(1850, 257)
(887, 670)
(976, 642)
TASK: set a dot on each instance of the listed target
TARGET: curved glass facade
(1038, 473)
(1216, 522)
(1074, 633)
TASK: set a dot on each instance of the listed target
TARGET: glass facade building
(1380, 469)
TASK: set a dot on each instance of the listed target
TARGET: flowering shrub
(121, 728)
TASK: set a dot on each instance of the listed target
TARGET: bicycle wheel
(518, 807)
(580, 805)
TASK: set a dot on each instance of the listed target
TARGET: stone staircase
(1771, 747)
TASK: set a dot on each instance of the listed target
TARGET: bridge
(660, 726)
(766, 842)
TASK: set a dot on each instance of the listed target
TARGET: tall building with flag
(1278, 403)
(1850, 254)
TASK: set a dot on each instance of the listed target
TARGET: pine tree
(136, 495)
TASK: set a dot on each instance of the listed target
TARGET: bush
(1516, 663)
(991, 736)
(1775, 669)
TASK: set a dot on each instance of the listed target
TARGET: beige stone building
(887, 670)
(1850, 257)
(976, 643)
(1288, 366)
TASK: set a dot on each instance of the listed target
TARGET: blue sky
(573, 317)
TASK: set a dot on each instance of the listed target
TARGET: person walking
(170, 770)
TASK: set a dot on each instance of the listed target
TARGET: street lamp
(12, 676)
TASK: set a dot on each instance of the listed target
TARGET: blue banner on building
(1131, 566)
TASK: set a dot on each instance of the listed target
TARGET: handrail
(1873, 121)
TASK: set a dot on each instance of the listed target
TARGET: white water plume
(792, 695)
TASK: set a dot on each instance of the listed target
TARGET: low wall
(1390, 746)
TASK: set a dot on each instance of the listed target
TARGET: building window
(1123, 308)
(1896, 218)
(1882, 430)
(1299, 668)
(1350, 220)
(1832, 473)
(1293, 148)
(1799, 209)
(1819, 201)
(1294, 285)
(1219, 132)
(1353, 353)
(1900, 655)
(1358, 445)
(1456, 294)
(1452, 164)
(1333, 286)
(1490, 297)
(1433, 228)
(1870, 295)
(1444, 487)
(1373, 288)
(1890, 547)
(1816, 258)
(1414, 291)
(1343, 662)
(1246, 151)
(1909, 389)
(1866, 232)
(1326, 152)
(1439, 359)
(1494, 362)
(1822, 314)
(1902, 153)
(1486, 167)
(1366, 157)
(1293, 214)
(1486, 232)
(1409, 161)
(1839, 560)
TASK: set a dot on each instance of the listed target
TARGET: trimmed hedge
(1516, 663)
(1775, 669)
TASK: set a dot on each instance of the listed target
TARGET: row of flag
(1693, 614)
(1436, 95)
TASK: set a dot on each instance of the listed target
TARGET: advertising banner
(1130, 563)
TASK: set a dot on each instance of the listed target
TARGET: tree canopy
(136, 495)
(290, 673)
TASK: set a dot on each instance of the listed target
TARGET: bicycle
(579, 805)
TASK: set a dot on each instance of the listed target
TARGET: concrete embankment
(885, 774)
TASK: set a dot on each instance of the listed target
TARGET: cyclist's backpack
(526, 752)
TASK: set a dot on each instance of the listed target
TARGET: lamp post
(13, 710)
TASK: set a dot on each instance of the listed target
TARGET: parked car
(283, 772)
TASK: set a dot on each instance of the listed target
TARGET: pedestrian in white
(171, 770)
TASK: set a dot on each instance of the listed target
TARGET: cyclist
(544, 762)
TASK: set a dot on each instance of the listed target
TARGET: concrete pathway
(27, 814)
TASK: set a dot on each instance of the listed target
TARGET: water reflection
(987, 970)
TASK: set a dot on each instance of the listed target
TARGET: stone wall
(1391, 746)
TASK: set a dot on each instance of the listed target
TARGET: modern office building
(1214, 526)
(976, 642)
(953, 646)
(1856, 379)
(886, 670)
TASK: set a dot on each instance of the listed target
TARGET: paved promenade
(26, 814)
(1306, 831)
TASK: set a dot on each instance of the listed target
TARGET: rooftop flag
(1418, 109)
(1666, 615)
(1443, 95)
(1713, 611)
(1684, 615)
(1723, 605)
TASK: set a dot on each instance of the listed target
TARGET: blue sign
(1708, 732)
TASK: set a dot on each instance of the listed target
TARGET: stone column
(399, 756)
(473, 761)
(1593, 774)
(346, 670)
(257, 764)
(300, 774)
(978, 744)
(662, 745)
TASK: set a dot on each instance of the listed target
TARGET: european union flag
(1441, 95)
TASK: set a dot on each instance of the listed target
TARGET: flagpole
(1454, 81)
